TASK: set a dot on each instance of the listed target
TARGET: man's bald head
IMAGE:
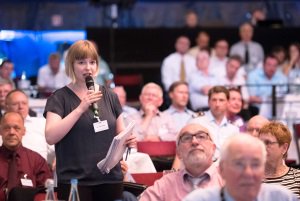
(255, 124)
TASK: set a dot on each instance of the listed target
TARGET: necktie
(246, 54)
(182, 71)
(12, 172)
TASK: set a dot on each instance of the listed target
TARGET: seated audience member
(6, 70)
(196, 149)
(5, 87)
(255, 124)
(219, 58)
(191, 19)
(277, 139)
(261, 80)
(20, 167)
(235, 76)
(293, 60)
(127, 110)
(151, 124)
(215, 119)
(280, 53)
(201, 82)
(257, 15)
(52, 75)
(179, 95)
(291, 67)
(178, 65)
(242, 166)
(250, 51)
(235, 104)
(202, 43)
(17, 101)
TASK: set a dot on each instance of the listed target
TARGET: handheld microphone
(89, 81)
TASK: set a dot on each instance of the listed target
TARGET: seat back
(147, 178)
(41, 196)
(132, 84)
(24, 194)
(153, 149)
(297, 137)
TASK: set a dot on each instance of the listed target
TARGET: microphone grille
(89, 81)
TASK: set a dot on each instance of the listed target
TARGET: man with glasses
(255, 124)
(195, 148)
(242, 166)
(152, 124)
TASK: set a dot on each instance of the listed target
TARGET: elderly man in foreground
(242, 166)
(195, 148)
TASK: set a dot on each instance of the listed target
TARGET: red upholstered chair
(41, 196)
(147, 178)
(154, 149)
(162, 153)
(297, 137)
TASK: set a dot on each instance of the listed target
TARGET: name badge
(100, 126)
(26, 182)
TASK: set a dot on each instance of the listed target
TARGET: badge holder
(99, 125)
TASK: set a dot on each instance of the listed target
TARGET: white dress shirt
(180, 117)
(34, 138)
(256, 53)
(47, 79)
(170, 69)
(217, 66)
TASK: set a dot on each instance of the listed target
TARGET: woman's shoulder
(106, 90)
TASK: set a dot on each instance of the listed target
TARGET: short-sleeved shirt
(79, 151)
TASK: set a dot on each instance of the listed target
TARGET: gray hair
(244, 139)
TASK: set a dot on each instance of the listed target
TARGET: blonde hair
(82, 49)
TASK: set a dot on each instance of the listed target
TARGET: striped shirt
(291, 180)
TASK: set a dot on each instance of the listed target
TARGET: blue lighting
(29, 50)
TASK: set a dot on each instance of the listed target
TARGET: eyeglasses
(200, 137)
(269, 143)
(250, 130)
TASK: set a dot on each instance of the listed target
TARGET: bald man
(255, 124)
